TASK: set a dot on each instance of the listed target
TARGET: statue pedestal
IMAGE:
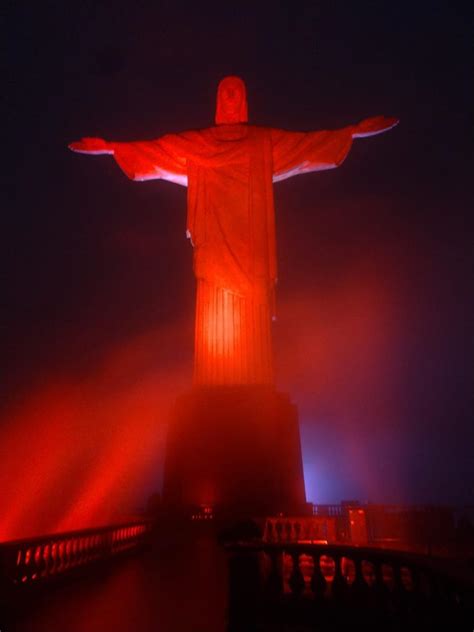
(236, 448)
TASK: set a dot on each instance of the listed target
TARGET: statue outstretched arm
(90, 145)
(164, 158)
(302, 152)
(374, 125)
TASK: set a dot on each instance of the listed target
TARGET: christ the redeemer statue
(229, 170)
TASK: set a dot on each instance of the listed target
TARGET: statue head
(231, 101)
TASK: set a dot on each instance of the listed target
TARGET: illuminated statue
(229, 170)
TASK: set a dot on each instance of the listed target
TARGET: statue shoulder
(260, 130)
(270, 134)
(188, 135)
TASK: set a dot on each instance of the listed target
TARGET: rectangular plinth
(236, 448)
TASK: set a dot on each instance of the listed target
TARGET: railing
(334, 585)
(328, 510)
(281, 530)
(424, 529)
(36, 560)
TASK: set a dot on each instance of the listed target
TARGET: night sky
(374, 333)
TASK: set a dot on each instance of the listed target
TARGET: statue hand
(373, 125)
(92, 146)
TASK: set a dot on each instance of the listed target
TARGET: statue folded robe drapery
(229, 171)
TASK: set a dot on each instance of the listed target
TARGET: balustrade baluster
(296, 581)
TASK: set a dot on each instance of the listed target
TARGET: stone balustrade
(331, 585)
(36, 560)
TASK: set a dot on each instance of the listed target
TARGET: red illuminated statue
(233, 440)
(229, 170)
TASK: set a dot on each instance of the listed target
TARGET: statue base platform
(236, 449)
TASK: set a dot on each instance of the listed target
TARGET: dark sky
(374, 337)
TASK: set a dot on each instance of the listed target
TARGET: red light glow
(79, 453)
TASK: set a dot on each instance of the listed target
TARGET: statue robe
(229, 171)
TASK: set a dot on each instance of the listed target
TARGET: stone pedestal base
(236, 448)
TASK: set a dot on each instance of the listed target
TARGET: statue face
(231, 97)
(231, 101)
